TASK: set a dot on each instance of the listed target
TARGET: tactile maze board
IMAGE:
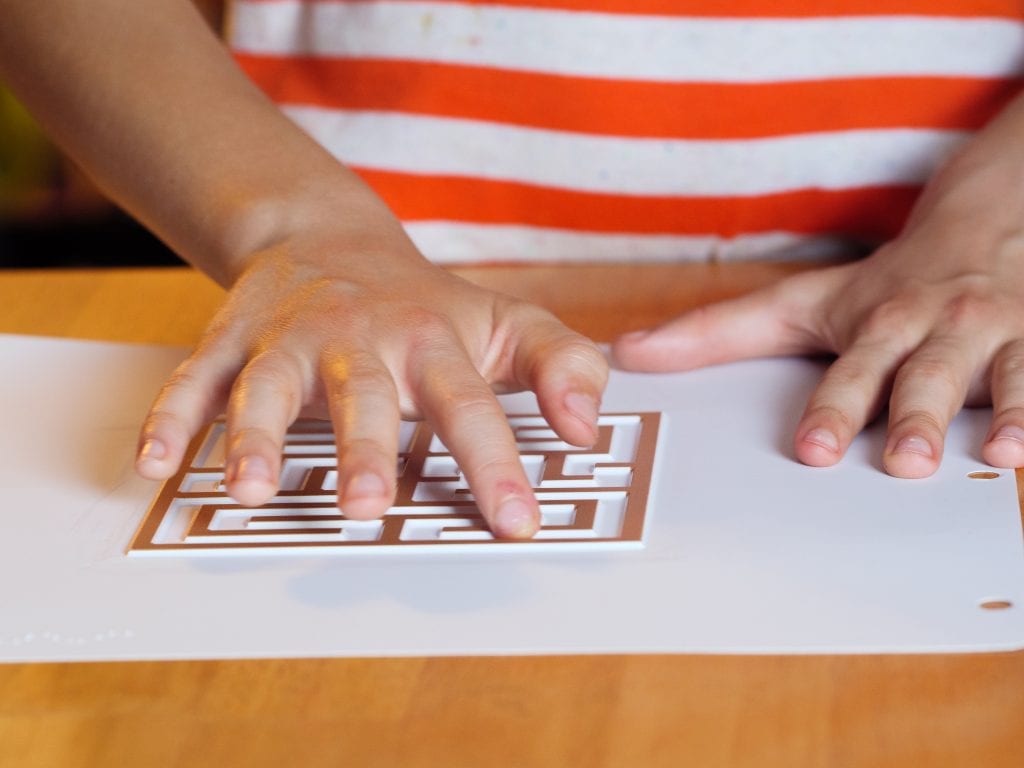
(744, 549)
(591, 497)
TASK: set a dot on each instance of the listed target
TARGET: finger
(265, 400)
(568, 373)
(470, 422)
(194, 394)
(853, 389)
(1004, 446)
(774, 321)
(929, 389)
(363, 403)
(850, 394)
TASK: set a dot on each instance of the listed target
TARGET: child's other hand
(930, 322)
(367, 341)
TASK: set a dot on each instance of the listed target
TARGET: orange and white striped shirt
(638, 129)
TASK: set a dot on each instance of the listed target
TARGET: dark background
(51, 215)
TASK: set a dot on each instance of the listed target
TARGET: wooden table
(635, 711)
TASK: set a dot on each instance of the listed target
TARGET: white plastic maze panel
(595, 496)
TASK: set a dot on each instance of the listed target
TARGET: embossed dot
(996, 605)
(986, 475)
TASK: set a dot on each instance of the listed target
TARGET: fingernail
(366, 486)
(152, 449)
(253, 468)
(583, 407)
(515, 520)
(915, 444)
(1009, 432)
(822, 438)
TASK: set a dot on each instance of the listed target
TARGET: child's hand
(331, 308)
(384, 336)
(931, 321)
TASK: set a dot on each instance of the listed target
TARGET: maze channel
(595, 496)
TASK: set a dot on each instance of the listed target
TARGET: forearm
(149, 102)
(1001, 142)
(984, 181)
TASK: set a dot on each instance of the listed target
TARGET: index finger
(567, 372)
(471, 423)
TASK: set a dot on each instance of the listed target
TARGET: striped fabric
(638, 129)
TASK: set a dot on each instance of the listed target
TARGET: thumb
(777, 320)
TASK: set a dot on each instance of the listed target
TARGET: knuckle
(354, 368)
(160, 419)
(183, 379)
(1011, 364)
(920, 419)
(931, 369)
(249, 437)
(186, 393)
(276, 358)
(426, 327)
(888, 318)
(361, 445)
(363, 449)
(510, 313)
(267, 382)
(924, 368)
(275, 369)
(497, 466)
(845, 376)
(370, 381)
(346, 314)
(824, 413)
(474, 403)
(552, 345)
(1012, 415)
(584, 354)
(971, 309)
(219, 335)
(467, 408)
(575, 357)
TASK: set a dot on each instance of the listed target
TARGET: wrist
(334, 207)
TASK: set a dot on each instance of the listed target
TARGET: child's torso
(651, 129)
